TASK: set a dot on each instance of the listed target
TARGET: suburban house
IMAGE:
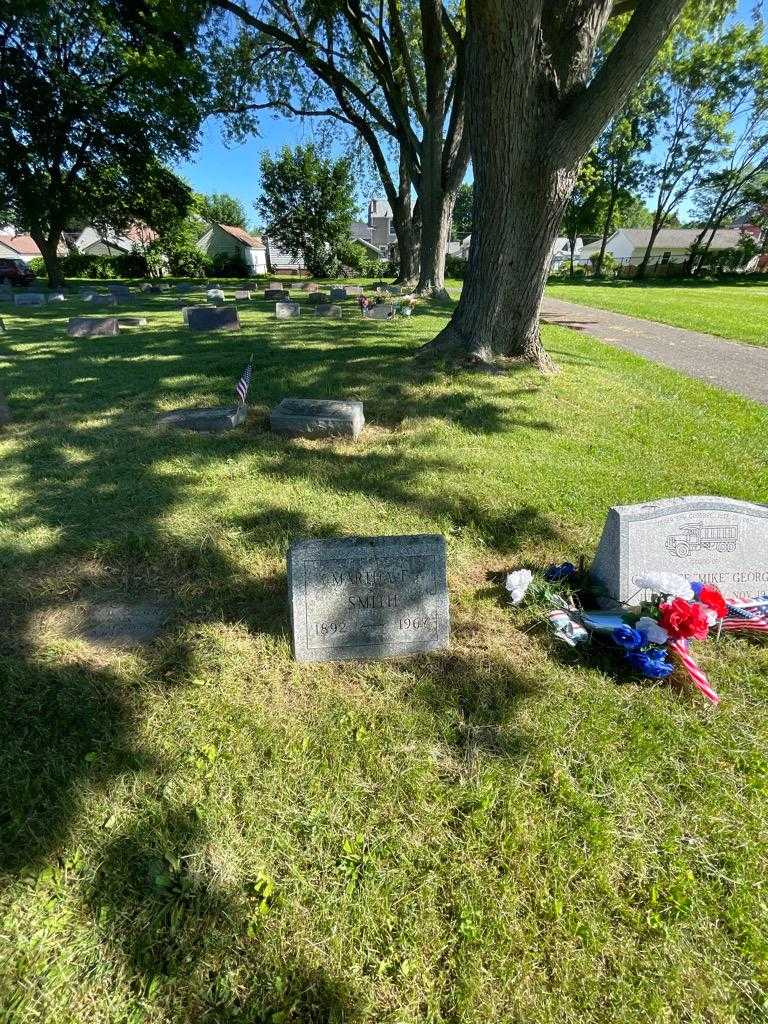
(91, 241)
(378, 230)
(561, 250)
(21, 247)
(234, 241)
(280, 262)
(672, 245)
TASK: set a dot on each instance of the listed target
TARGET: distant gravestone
(353, 289)
(119, 289)
(324, 309)
(317, 417)
(93, 327)
(182, 288)
(381, 311)
(213, 318)
(215, 295)
(309, 286)
(185, 312)
(277, 285)
(132, 321)
(316, 298)
(241, 293)
(29, 299)
(285, 309)
(104, 300)
(5, 412)
(715, 540)
(394, 289)
(367, 597)
(56, 297)
(213, 420)
(116, 623)
(276, 293)
(338, 293)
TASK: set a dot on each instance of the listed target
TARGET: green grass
(736, 310)
(205, 831)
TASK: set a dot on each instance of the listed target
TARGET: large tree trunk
(437, 214)
(405, 220)
(48, 244)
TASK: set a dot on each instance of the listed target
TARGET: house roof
(680, 238)
(359, 229)
(24, 245)
(253, 241)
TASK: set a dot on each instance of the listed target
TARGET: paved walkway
(731, 365)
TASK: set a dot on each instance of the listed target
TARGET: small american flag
(243, 385)
(750, 613)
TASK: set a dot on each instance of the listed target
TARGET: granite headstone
(285, 309)
(276, 293)
(338, 293)
(317, 298)
(367, 597)
(213, 420)
(324, 309)
(29, 299)
(715, 540)
(93, 327)
(241, 293)
(213, 318)
(317, 417)
(380, 311)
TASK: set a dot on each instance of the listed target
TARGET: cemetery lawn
(202, 830)
(735, 310)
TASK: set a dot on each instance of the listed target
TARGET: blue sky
(219, 167)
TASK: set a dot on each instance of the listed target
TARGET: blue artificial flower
(559, 572)
(628, 638)
(696, 588)
(651, 665)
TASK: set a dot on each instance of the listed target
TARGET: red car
(15, 272)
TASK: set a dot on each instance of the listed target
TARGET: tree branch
(585, 114)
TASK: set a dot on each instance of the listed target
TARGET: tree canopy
(308, 206)
(222, 208)
(95, 97)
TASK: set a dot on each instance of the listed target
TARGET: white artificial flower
(656, 634)
(670, 583)
(711, 615)
(517, 584)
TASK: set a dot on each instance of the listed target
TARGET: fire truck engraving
(697, 537)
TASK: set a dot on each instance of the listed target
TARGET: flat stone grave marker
(367, 597)
(317, 297)
(354, 289)
(29, 299)
(317, 417)
(116, 623)
(380, 311)
(119, 289)
(278, 285)
(309, 286)
(324, 309)
(715, 540)
(338, 293)
(132, 321)
(213, 318)
(185, 312)
(276, 293)
(213, 420)
(394, 289)
(183, 287)
(93, 327)
(285, 309)
(5, 412)
(98, 299)
(241, 293)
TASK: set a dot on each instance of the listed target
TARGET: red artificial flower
(682, 619)
(712, 598)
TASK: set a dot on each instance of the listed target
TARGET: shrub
(189, 261)
(226, 264)
(37, 265)
(131, 264)
(610, 263)
(456, 267)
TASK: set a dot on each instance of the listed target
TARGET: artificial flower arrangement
(651, 637)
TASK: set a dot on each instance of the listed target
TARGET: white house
(235, 242)
(561, 249)
(672, 245)
(93, 242)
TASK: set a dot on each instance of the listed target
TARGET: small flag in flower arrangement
(747, 613)
(243, 385)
